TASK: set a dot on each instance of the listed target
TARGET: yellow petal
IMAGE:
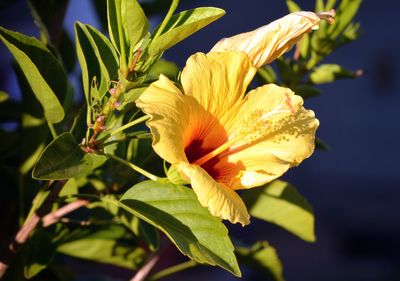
(220, 200)
(283, 141)
(181, 128)
(217, 80)
(268, 42)
(170, 111)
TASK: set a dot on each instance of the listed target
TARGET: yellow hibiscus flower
(222, 140)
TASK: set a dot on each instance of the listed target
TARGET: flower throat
(253, 128)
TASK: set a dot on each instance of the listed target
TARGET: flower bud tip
(329, 16)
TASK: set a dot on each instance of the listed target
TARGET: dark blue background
(355, 187)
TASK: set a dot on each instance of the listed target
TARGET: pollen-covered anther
(259, 122)
(288, 102)
(329, 16)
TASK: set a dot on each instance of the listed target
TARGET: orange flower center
(209, 145)
(202, 144)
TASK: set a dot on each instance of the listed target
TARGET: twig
(145, 270)
(23, 234)
(133, 167)
(55, 216)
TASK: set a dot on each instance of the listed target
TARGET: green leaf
(175, 210)
(3, 96)
(330, 4)
(98, 59)
(34, 127)
(164, 67)
(305, 46)
(110, 244)
(319, 6)
(134, 21)
(183, 25)
(62, 159)
(42, 70)
(130, 97)
(31, 160)
(134, 24)
(69, 188)
(104, 251)
(280, 203)
(327, 73)
(263, 258)
(344, 15)
(351, 33)
(105, 53)
(267, 73)
(113, 24)
(292, 6)
(141, 229)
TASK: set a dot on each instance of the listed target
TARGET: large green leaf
(62, 159)
(176, 211)
(113, 24)
(97, 58)
(134, 21)
(183, 25)
(42, 70)
(263, 258)
(108, 244)
(280, 203)
(34, 127)
(140, 228)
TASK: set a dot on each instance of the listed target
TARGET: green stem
(82, 195)
(124, 127)
(313, 61)
(130, 124)
(173, 269)
(121, 36)
(145, 135)
(75, 121)
(88, 118)
(171, 11)
(52, 130)
(133, 167)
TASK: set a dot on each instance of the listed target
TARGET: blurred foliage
(98, 146)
